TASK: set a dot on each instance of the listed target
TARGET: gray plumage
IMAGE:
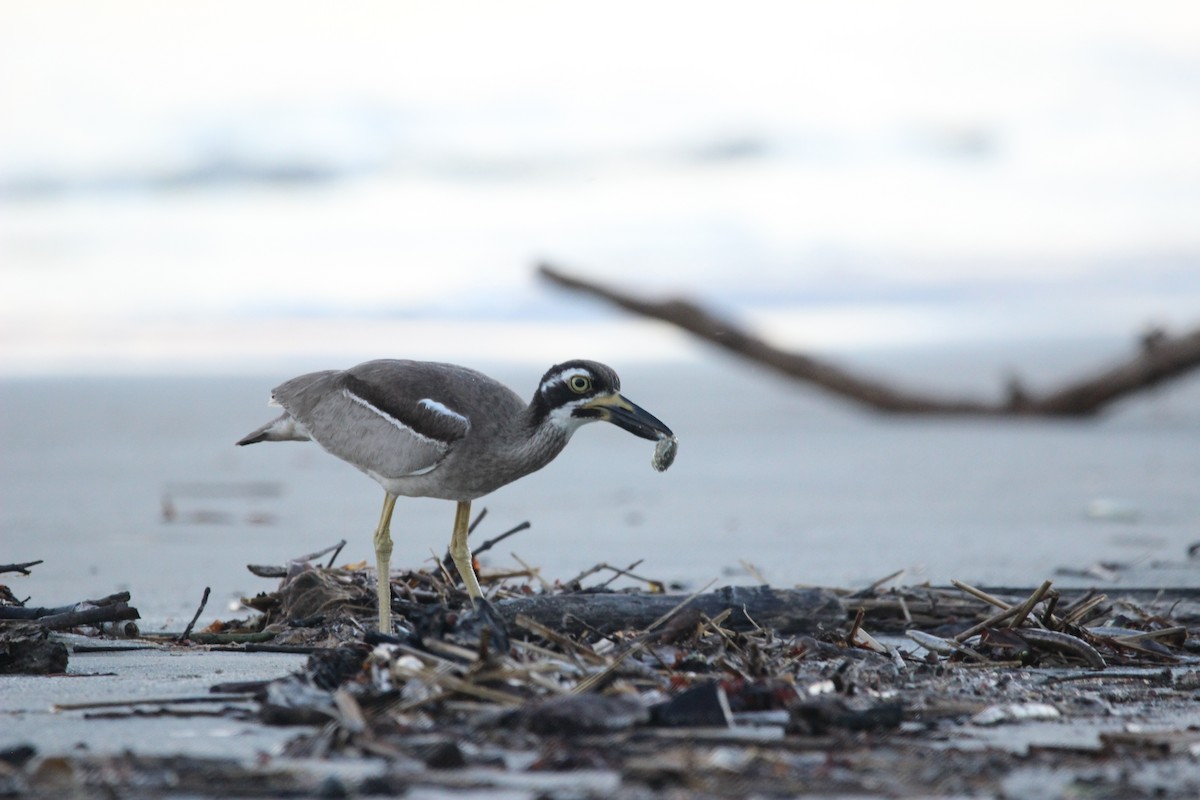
(386, 417)
(425, 429)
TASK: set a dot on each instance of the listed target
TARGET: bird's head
(577, 392)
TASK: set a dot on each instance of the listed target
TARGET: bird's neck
(537, 438)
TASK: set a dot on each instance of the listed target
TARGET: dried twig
(569, 646)
(448, 560)
(22, 568)
(333, 548)
(275, 571)
(981, 595)
(203, 602)
(154, 701)
(1082, 611)
(869, 590)
(490, 543)
(1161, 633)
(534, 572)
(936, 644)
(655, 585)
(336, 552)
(994, 619)
(1027, 606)
(452, 683)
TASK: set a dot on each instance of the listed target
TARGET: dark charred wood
(824, 715)
(34, 658)
(39, 612)
(89, 616)
(703, 705)
(26, 612)
(25, 649)
(785, 611)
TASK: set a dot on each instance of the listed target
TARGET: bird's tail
(284, 429)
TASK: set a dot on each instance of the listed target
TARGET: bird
(430, 429)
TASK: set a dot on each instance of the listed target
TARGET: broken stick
(1160, 357)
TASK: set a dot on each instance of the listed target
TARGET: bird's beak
(621, 412)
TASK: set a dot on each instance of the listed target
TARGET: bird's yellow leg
(383, 558)
(461, 553)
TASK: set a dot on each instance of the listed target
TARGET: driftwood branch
(22, 568)
(1160, 358)
(118, 612)
(38, 613)
(785, 611)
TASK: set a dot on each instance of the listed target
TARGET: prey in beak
(624, 413)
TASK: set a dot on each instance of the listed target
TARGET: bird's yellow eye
(580, 384)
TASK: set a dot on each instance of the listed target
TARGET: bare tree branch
(1160, 359)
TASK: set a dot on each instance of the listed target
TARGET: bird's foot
(485, 617)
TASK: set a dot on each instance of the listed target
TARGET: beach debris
(576, 714)
(218, 698)
(734, 691)
(22, 567)
(105, 775)
(821, 716)
(934, 644)
(703, 705)
(26, 649)
(297, 564)
(27, 643)
(1153, 741)
(784, 611)
(113, 608)
(1016, 712)
(183, 637)
(652, 584)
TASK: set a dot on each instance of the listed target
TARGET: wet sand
(804, 489)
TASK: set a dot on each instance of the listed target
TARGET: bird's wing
(373, 419)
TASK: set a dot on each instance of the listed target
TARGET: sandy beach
(134, 483)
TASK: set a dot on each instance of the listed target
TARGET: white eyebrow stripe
(439, 408)
(395, 422)
(562, 377)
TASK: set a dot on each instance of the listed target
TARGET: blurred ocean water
(174, 188)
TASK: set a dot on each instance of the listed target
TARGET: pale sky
(907, 146)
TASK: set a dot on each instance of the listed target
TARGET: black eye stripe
(556, 389)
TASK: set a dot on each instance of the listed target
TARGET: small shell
(664, 453)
